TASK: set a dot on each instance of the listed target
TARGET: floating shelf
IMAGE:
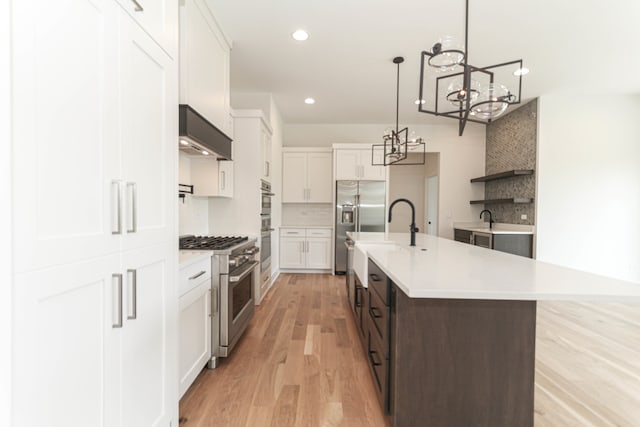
(501, 175)
(505, 201)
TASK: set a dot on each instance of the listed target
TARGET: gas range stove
(211, 243)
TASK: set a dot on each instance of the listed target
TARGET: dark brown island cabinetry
(450, 362)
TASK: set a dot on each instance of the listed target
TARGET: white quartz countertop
(498, 228)
(187, 257)
(442, 268)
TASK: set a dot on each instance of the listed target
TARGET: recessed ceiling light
(309, 101)
(419, 101)
(300, 35)
(206, 153)
(521, 72)
(183, 142)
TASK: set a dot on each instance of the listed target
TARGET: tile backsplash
(307, 214)
(511, 144)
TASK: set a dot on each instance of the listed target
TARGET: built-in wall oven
(265, 230)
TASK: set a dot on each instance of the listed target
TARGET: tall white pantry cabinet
(95, 110)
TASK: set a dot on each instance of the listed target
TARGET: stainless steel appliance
(360, 207)
(234, 260)
(265, 230)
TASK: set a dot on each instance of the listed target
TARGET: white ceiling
(569, 45)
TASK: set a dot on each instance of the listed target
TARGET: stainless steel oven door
(236, 308)
(265, 250)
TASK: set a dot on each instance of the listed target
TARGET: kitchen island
(461, 343)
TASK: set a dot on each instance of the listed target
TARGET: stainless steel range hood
(199, 136)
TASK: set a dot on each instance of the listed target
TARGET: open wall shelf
(504, 201)
(501, 175)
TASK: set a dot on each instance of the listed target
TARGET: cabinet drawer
(379, 314)
(379, 366)
(194, 274)
(378, 281)
(318, 232)
(292, 232)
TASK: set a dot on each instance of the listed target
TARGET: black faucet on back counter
(412, 227)
(490, 217)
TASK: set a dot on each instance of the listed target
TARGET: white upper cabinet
(356, 164)
(66, 147)
(149, 125)
(306, 176)
(157, 18)
(211, 178)
(204, 64)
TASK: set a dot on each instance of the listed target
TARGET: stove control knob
(233, 262)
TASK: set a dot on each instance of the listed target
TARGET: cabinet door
(292, 253)
(205, 176)
(66, 369)
(204, 64)
(369, 171)
(65, 131)
(159, 18)
(149, 344)
(294, 174)
(319, 177)
(347, 164)
(149, 109)
(318, 252)
(194, 333)
(225, 178)
(266, 155)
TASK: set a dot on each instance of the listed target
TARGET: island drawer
(378, 281)
(379, 365)
(379, 315)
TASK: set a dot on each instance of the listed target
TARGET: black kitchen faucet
(412, 227)
(490, 217)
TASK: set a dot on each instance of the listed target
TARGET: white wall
(193, 212)
(588, 210)
(6, 229)
(461, 158)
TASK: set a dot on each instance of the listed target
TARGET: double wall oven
(265, 231)
(234, 260)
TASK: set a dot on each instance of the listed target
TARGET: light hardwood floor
(300, 363)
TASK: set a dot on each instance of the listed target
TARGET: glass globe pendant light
(492, 102)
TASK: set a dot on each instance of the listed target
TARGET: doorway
(431, 205)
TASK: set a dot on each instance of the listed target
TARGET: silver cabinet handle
(134, 209)
(118, 321)
(268, 170)
(138, 6)
(223, 175)
(118, 220)
(195, 276)
(134, 294)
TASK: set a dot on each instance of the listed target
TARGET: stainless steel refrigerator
(360, 206)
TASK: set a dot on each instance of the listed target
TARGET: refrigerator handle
(356, 212)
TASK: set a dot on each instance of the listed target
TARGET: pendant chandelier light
(463, 91)
(398, 143)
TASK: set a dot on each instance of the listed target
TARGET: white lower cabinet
(194, 333)
(305, 248)
(96, 342)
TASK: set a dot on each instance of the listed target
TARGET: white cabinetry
(157, 18)
(265, 148)
(195, 321)
(95, 123)
(204, 64)
(305, 248)
(306, 176)
(211, 178)
(356, 164)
